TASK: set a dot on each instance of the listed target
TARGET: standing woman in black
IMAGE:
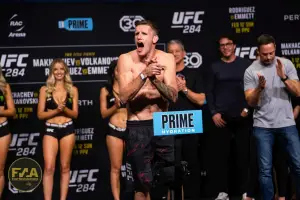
(58, 106)
(7, 109)
(112, 109)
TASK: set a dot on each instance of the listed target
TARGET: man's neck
(146, 59)
(229, 59)
(180, 66)
(268, 64)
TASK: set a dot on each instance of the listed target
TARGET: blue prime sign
(76, 24)
(177, 123)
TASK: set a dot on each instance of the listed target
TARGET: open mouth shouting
(140, 46)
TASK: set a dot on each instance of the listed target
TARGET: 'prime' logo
(179, 122)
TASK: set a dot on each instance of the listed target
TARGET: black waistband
(135, 123)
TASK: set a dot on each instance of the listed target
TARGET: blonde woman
(58, 106)
(7, 109)
(112, 109)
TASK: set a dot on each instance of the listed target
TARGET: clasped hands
(153, 68)
(61, 105)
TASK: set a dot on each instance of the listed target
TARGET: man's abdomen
(142, 108)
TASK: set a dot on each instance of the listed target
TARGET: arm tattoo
(167, 91)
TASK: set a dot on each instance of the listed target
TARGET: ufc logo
(186, 17)
(77, 176)
(19, 139)
(126, 171)
(246, 51)
(8, 59)
(50, 130)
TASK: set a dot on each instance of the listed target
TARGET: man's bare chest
(137, 69)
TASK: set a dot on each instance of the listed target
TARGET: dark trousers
(280, 163)
(218, 149)
(186, 149)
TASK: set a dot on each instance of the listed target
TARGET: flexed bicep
(124, 75)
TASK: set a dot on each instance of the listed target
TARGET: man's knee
(296, 166)
(144, 187)
(144, 182)
(265, 170)
(141, 195)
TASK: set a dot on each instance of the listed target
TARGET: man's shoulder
(163, 54)
(189, 71)
(217, 64)
(286, 62)
(126, 58)
(255, 65)
(192, 74)
(244, 61)
(127, 55)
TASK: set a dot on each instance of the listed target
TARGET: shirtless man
(147, 80)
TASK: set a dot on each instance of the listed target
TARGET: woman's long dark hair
(111, 76)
